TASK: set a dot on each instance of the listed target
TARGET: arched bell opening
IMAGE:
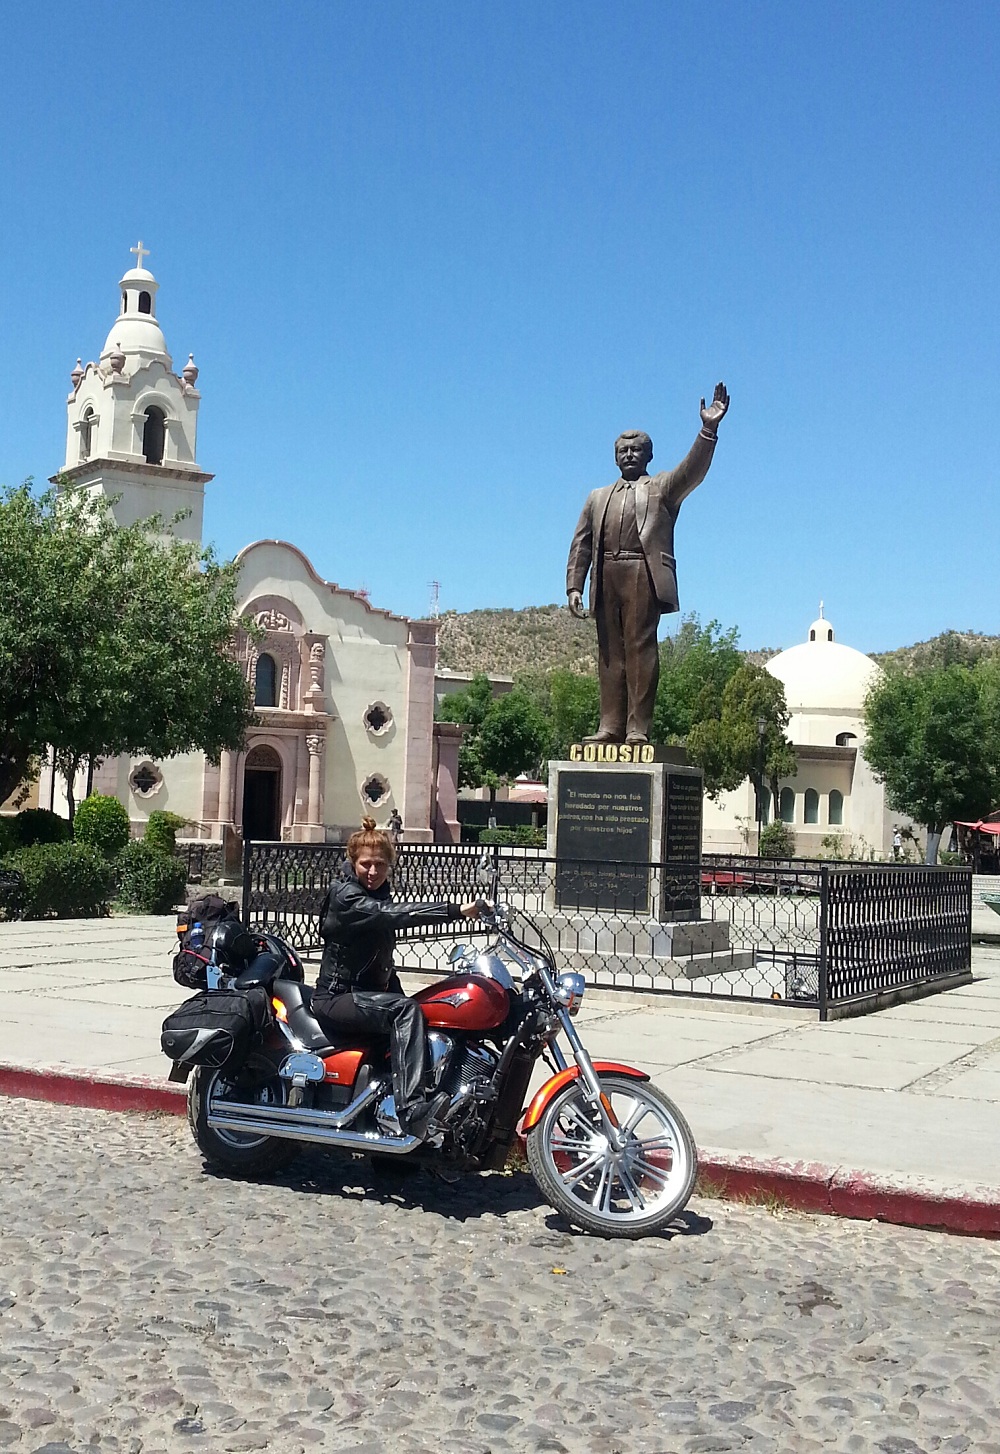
(153, 435)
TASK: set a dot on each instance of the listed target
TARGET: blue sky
(432, 257)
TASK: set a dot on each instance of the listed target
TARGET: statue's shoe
(604, 737)
(637, 741)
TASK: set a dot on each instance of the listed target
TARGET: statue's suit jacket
(657, 501)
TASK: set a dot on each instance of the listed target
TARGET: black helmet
(234, 945)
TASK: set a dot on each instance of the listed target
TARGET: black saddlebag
(217, 1028)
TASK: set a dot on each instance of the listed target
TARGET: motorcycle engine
(470, 1085)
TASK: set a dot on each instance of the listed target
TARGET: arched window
(812, 806)
(265, 692)
(152, 435)
(765, 805)
(87, 433)
(124, 302)
(786, 805)
(836, 808)
(846, 739)
(145, 303)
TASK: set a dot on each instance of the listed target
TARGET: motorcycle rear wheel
(240, 1152)
(634, 1193)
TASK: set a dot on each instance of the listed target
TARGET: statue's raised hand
(713, 413)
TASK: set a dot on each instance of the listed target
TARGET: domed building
(834, 794)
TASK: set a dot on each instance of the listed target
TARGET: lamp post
(761, 734)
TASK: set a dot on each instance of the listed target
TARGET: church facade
(344, 692)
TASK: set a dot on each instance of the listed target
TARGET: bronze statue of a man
(625, 538)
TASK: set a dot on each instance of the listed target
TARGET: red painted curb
(85, 1088)
(805, 1186)
(834, 1191)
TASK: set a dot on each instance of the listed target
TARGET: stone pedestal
(611, 821)
(624, 901)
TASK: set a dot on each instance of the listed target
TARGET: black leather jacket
(358, 929)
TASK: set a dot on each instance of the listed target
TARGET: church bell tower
(132, 422)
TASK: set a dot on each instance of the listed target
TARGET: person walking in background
(395, 826)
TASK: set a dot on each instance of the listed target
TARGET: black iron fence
(831, 936)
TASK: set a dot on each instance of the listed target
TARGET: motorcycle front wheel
(240, 1152)
(629, 1193)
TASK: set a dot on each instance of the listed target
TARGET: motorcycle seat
(319, 1038)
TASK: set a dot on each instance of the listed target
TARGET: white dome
(136, 333)
(821, 675)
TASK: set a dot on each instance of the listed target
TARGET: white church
(834, 795)
(344, 692)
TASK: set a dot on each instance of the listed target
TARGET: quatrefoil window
(377, 718)
(145, 779)
(375, 789)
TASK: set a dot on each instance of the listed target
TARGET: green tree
(574, 709)
(503, 738)
(931, 738)
(695, 665)
(112, 640)
(748, 737)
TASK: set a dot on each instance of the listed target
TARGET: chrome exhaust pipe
(284, 1126)
(301, 1115)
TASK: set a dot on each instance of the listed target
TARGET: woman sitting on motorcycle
(358, 991)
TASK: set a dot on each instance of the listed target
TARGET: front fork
(589, 1076)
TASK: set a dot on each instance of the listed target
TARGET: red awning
(981, 827)
(535, 793)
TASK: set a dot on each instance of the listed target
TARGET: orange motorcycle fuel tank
(464, 1002)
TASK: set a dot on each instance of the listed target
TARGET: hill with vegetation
(546, 638)
(948, 648)
(507, 642)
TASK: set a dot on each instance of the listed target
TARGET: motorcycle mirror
(458, 952)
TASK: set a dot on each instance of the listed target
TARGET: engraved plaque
(603, 826)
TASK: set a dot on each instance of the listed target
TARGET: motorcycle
(607, 1149)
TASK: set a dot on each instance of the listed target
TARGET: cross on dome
(140, 252)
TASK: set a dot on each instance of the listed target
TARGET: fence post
(245, 905)
(824, 940)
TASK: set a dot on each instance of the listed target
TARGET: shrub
(8, 835)
(150, 882)
(63, 880)
(161, 830)
(503, 836)
(39, 825)
(103, 823)
(777, 841)
(527, 837)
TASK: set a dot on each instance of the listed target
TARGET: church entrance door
(262, 795)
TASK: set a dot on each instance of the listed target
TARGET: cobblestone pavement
(146, 1305)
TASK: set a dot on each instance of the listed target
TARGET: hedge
(39, 825)
(103, 823)
(62, 881)
(150, 882)
(161, 830)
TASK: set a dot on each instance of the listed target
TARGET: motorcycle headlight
(569, 991)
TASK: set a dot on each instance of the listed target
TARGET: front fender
(563, 1077)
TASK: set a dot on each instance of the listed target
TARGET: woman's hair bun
(368, 824)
